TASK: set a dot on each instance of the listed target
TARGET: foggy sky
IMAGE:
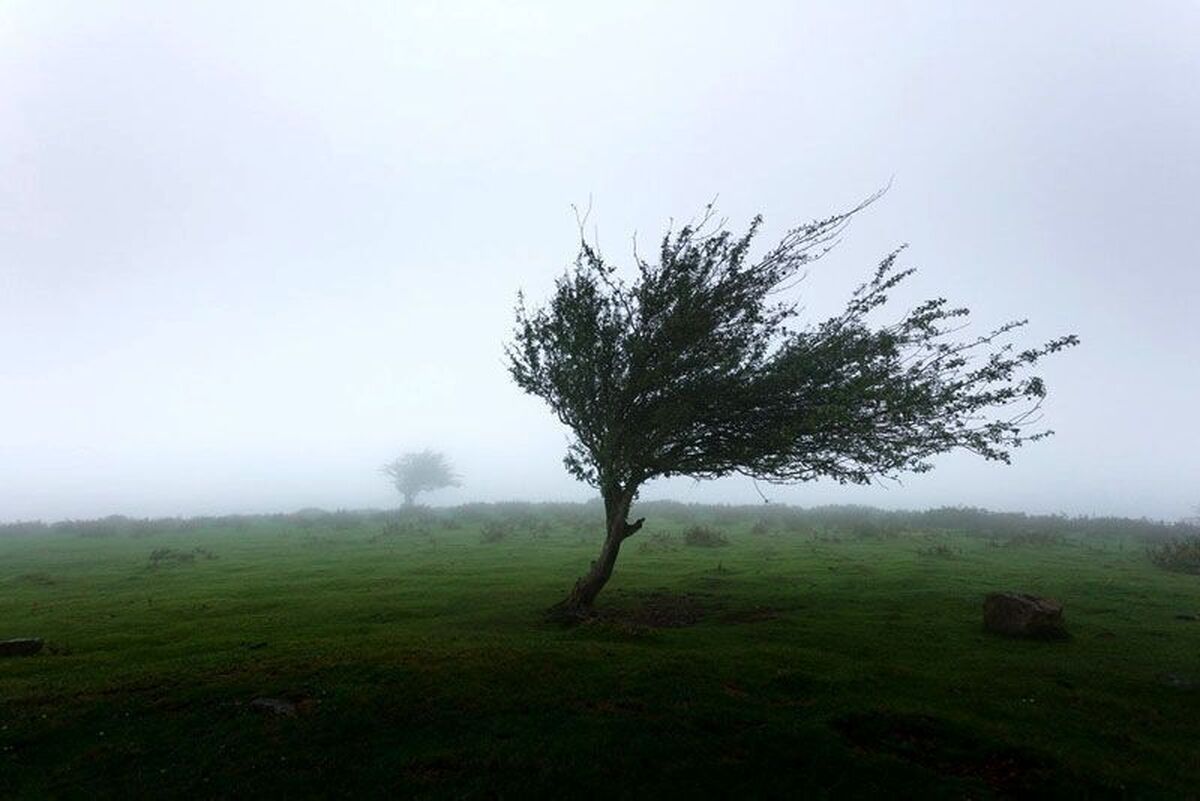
(250, 252)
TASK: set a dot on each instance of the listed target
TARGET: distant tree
(692, 369)
(422, 471)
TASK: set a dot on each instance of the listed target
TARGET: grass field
(838, 655)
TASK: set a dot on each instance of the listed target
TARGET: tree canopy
(420, 471)
(694, 365)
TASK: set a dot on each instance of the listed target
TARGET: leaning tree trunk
(578, 604)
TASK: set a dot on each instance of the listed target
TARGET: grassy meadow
(741, 652)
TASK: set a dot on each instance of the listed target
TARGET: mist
(247, 256)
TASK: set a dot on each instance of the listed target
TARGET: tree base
(565, 613)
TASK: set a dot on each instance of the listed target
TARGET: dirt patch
(659, 610)
(36, 579)
(284, 706)
(939, 746)
(751, 614)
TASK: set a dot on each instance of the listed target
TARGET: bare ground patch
(751, 614)
(660, 610)
(944, 748)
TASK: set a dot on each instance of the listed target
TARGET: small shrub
(402, 528)
(169, 556)
(161, 556)
(796, 524)
(703, 537)
(92, 529)
(1040, 539)
(495, 531)
(873, 530)
(941, 550)
(761, 527)
(1180, 556)
(658, 542)
(23, 528)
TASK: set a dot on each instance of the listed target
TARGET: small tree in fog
(423, 471)
(694, 368)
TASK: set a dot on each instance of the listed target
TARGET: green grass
(827, 663)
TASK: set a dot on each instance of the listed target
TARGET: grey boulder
(1022, 615)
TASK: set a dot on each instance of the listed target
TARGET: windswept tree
(693, 365)
(421, 471)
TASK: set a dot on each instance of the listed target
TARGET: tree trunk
(409, 497)
(578, 604)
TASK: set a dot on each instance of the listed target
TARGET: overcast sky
(250, 251)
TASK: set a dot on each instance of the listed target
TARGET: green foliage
(704, 537)
(1182, 556)
(173, 556)
(658, 542)
(404, 528)
(580, 519)
(1032, 538)
(941, 550)
(695, 368)
(495, 531)
(761, 527)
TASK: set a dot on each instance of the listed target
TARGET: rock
(23, 647)
(1021, 615)
(275, 706)
(1178, 681)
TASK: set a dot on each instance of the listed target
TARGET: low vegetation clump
(871, 529)
(704, 537)
(1180, 556)
(403, 528)
(658, 542)
(1036, 539)
(495, 531)
(761, 527)
(172, 556)
(940, 550)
